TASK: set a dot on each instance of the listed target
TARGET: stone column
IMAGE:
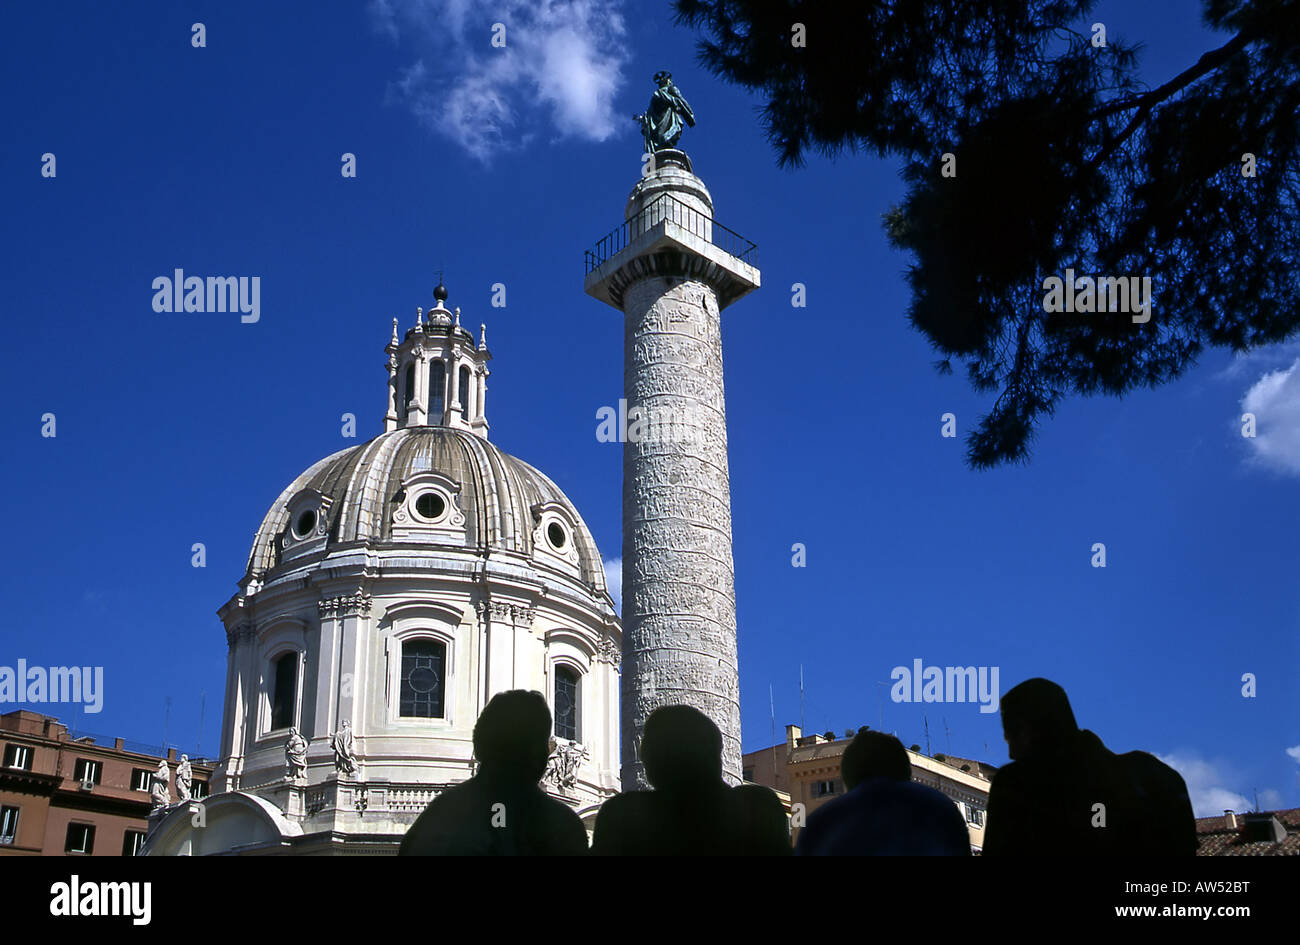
(418, 414)
(679, 610)
(679, 606)
(481, 399)
(455, 409)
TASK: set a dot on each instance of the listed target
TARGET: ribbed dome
(499, 498)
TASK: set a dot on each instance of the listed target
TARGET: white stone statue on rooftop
(160, 786)
(184, 779)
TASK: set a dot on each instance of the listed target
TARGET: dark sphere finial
(440, 292)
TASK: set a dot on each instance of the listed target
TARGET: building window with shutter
(132, 841)
(88, 772)
(18, 756)
(8, 825)
(80, 839)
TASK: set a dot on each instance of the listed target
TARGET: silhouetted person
(885, 812)
(501, 811)
(1045, 802)
(691, 811)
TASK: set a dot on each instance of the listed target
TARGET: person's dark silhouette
(1066, 793)
(501, 811)
(691, 811)
(885, 812)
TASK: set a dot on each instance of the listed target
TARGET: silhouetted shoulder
(621, 824)
(562, 832)
(762, 829)
(475, 819)
(1014, 819)
(1164, 823)
(450, 826)
(886, 817)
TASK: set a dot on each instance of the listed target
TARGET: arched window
(409, 396)
(566, 703)
(424, 664)
(464, 392)
(437, 390)
(285, 692)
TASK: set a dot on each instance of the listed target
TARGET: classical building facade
(393, 588)
(63, 793)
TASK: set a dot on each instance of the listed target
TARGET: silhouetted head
(1036, 715)
(874, 755)
(680, 747)
(512, 735)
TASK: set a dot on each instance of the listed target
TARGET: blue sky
(503, 166)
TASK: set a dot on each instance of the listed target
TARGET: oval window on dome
(430, 505)
(555, 534)
(305, 524)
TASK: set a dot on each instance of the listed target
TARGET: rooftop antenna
(771, 698)
(926, 723)
(167, 719)
(802, 723)
(947, 735)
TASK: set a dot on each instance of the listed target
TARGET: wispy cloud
(614, 581)
(1294, 753)
(1274, 399)
(556, 76)
(1208, 786)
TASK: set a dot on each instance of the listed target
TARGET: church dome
(426, 486)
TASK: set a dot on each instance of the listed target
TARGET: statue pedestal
(672, 157)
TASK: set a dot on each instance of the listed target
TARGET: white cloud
(1270, 799)
(614, 581)
(560, 69)
(1294, 753)
(1275, 401)
(1205, 785)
